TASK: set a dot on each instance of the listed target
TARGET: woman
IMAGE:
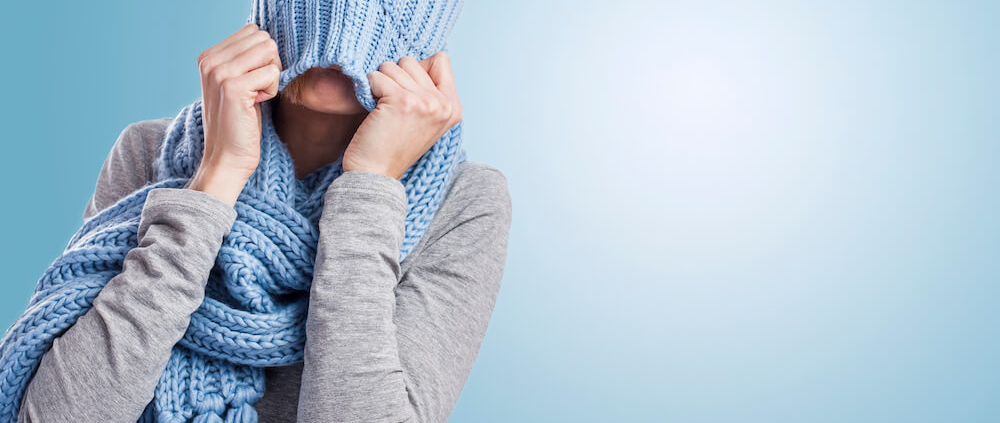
(386, 339)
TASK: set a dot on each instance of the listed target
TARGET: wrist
(372, 169)
(222, 183)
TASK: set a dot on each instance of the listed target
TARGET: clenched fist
(417, 104)
(236, 75)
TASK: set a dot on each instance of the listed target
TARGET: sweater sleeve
(127, 167)
(386, 347)
(105, 366)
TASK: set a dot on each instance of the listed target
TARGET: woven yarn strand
(256, 297)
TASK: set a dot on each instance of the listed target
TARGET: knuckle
(428, 107)
(446, 111)
(408, 103)
(205, 64)
(445, 116)
(262, 46)
(261, 35)
(442, 112)
(218, 73)
(229, 87)
(441, 104)
(430, 104)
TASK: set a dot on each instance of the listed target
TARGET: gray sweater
(386, 341)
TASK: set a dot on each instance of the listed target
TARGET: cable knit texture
(254, 311)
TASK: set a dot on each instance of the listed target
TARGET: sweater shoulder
(478, 194)
(146, 138)
(129, 164)
(479, 183)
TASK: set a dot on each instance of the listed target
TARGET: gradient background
(760, 211)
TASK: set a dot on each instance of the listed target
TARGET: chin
(326, 90)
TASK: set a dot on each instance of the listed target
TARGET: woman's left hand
(417, 104)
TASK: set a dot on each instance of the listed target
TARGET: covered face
(357, 35)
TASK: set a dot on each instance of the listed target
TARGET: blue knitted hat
(358, 35)
(247, 320)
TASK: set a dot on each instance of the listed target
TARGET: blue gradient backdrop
(760, 211)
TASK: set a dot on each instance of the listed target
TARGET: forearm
(352, 370)
(389, 347)
(106, 365)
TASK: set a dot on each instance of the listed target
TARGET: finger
(245, 43)
(271, 90)
(243, 32)
(259, 84)
(382, 85)
(258, 55)
(399, 75)
(416, 71)
(439, 70)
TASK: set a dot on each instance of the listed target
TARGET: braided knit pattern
(256, 298)
(361, 35)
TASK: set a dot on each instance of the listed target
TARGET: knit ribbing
(254, 310)
(378, 31)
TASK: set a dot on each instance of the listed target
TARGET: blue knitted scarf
(256, 299)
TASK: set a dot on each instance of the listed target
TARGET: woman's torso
(133, 166)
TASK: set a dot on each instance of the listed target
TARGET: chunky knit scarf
(253, 314)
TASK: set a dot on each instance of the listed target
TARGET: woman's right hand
(236, 75)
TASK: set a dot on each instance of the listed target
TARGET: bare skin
(416, 104)
(325, 117)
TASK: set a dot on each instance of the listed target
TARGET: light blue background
(760, 211)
